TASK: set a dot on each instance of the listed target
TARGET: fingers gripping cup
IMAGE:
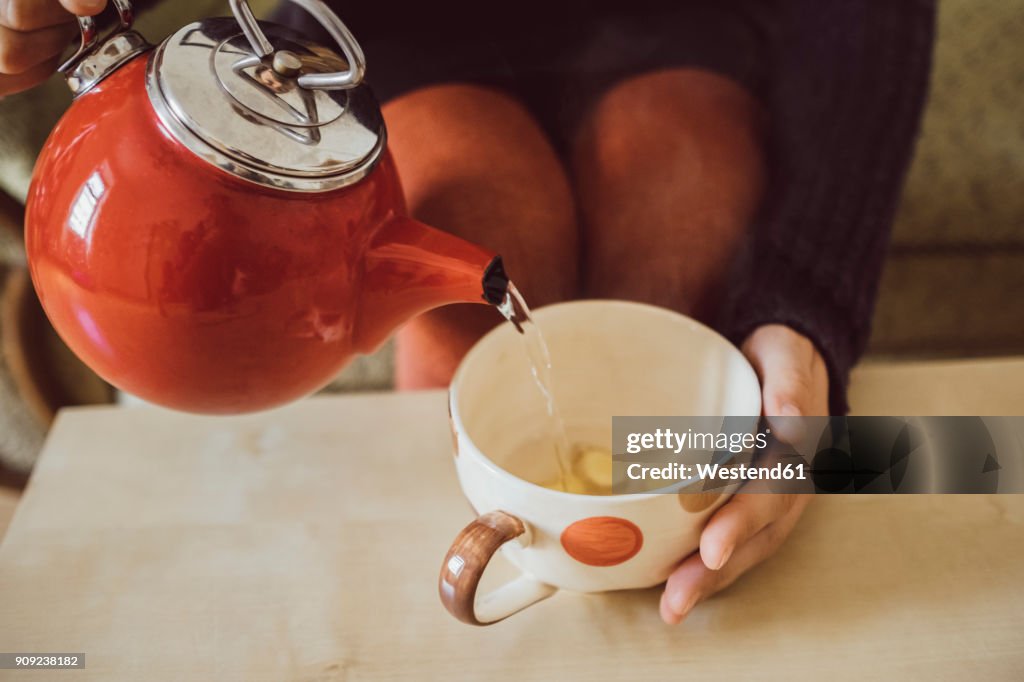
(608, 358)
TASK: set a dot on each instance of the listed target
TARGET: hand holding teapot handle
(33, 34)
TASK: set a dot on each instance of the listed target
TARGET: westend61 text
(717, 472)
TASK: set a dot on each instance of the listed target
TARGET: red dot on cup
(602, 540)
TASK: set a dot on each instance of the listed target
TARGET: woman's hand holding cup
(750, 527)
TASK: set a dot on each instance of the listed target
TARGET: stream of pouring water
(515, 310)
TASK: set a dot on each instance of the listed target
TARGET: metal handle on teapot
(90, 36)
(338, 80)
(88, 66)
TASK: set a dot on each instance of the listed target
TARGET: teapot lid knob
(287, 63)
(261, 102)
(341, 80)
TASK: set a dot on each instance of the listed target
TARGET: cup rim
(459, 426)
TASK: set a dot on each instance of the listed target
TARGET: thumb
(794, 380)
(84, 8)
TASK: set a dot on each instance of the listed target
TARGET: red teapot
(215, 225)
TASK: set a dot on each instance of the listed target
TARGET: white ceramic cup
(608, 358)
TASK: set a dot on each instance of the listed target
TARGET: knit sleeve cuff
(778, 291)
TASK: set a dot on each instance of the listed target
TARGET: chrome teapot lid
(266, 105)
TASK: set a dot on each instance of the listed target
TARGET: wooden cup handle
(464, 566)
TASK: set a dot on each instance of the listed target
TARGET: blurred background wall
(954, 281)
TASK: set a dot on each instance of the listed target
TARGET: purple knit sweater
(845, 91)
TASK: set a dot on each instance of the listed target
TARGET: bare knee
(450, 131)
(689, 129)
(670, 171)
(475, 163)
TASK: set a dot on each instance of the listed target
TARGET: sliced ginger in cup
(590, 472)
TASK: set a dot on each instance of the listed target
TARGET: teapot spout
(412, 268)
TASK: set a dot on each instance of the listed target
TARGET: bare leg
(670, 171)
(474, 162)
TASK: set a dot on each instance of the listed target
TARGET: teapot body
(183, 284)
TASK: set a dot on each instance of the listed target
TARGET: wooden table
(304, 544)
